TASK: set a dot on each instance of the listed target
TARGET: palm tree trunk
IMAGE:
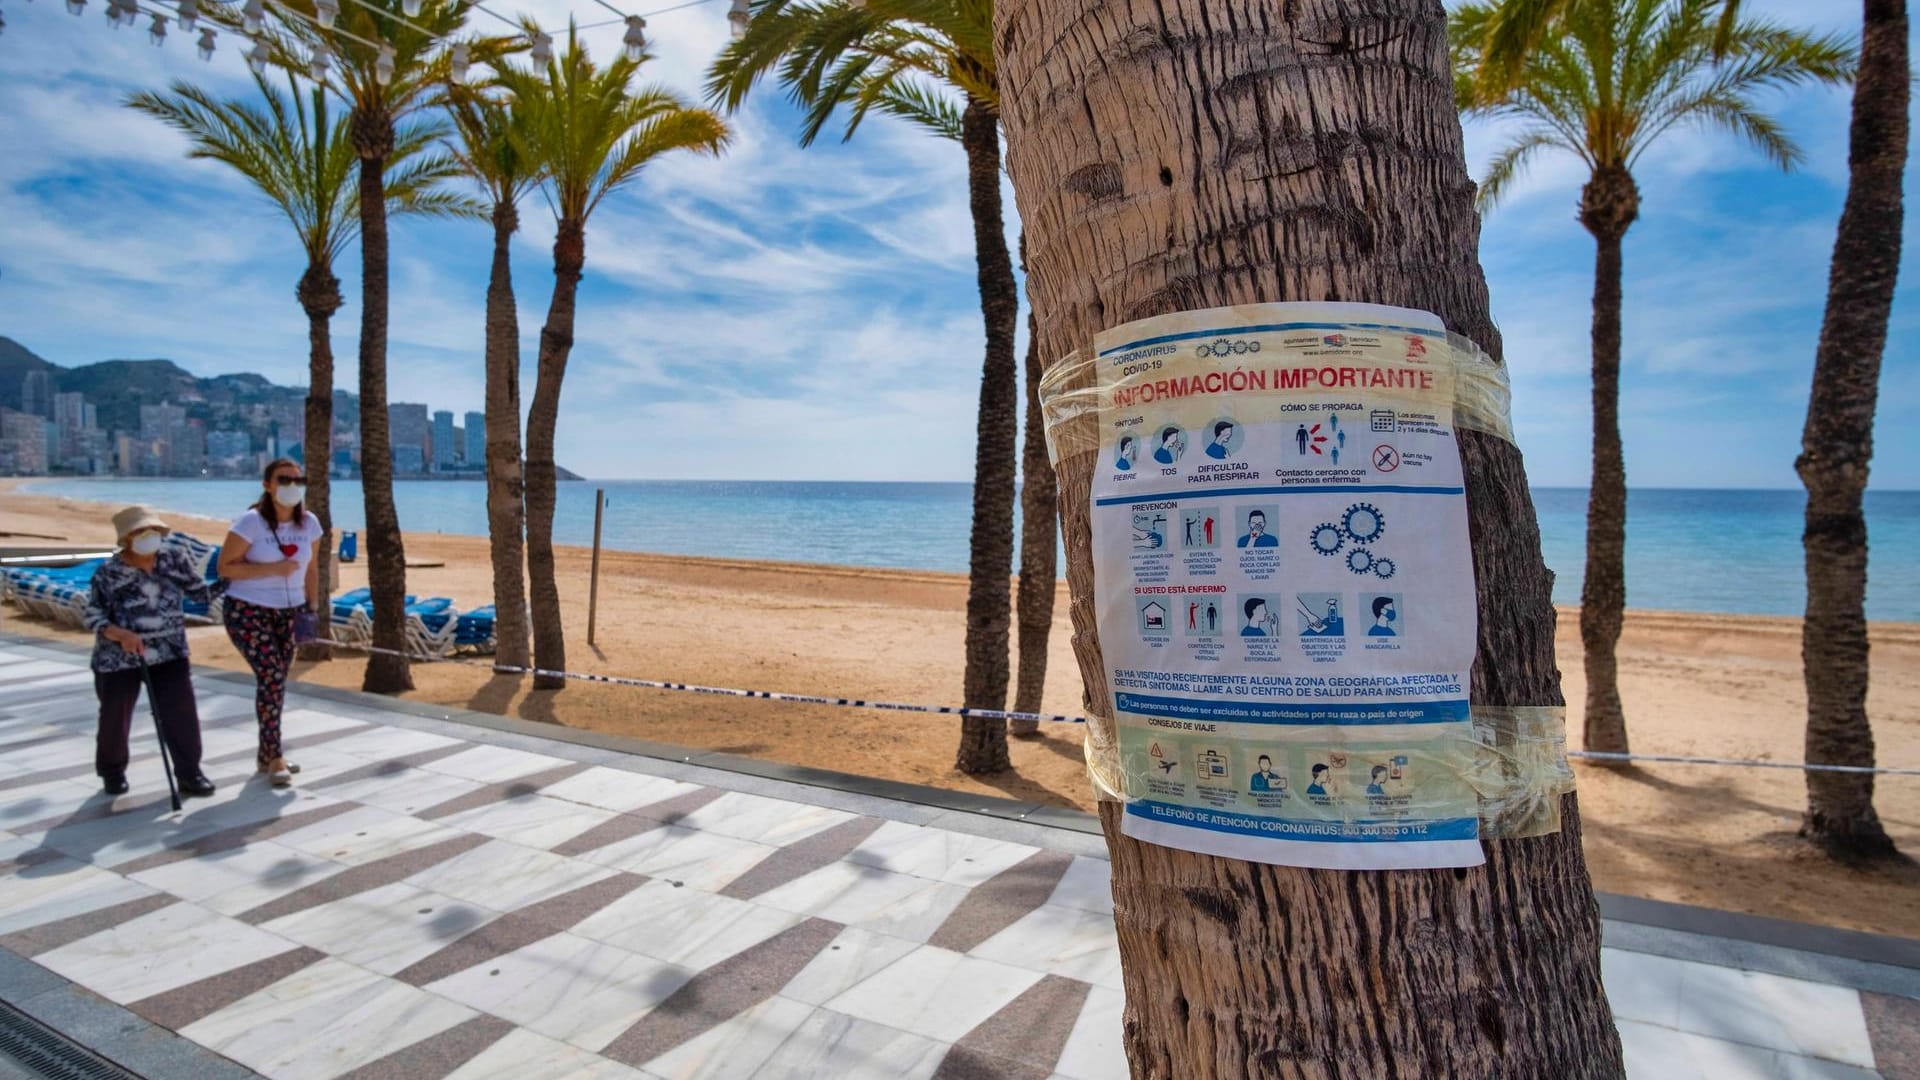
(1039, 542)
(1608, 205)
(387, 672)
(1837, 446)
(556, 343)
(319, 294)
(983, 743)
(1180, 174)
(506, 487)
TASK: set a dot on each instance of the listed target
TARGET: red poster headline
(1330, 377)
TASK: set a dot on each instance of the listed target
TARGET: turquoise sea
(1687, 550)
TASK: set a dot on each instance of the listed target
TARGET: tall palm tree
(290, 149)
(1119, 118)
(592, 132)
(386, 65)
(910, 58)
(489, 153)
(1039, 539)
(1837, 445)
(1611, 78)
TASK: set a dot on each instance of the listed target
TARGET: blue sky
(786, 314)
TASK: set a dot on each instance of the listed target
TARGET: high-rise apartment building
(36, 394)
(446, 451)
(70, 427)
(410, 434)
(476, 440)
(23, 443)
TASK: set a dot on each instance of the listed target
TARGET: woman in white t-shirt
(268, 558)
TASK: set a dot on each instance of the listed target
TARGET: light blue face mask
(146, 543)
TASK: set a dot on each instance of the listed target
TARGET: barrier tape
(721, 691)
(1006, 714)
(71, 556)
(1009, 714)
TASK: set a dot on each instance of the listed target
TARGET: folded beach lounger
(57, 594)
(431, 625)
(205, 558)
(473, 631)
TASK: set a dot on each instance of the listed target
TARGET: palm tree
(292, 151)
(386, 65)
(908, 58)
(490, 155)
(592, 132)
(1612, 77)
(1120, 117)
(1837, 445)
(1039, 539)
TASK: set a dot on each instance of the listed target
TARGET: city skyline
(57, 432)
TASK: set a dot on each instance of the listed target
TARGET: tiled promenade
(440, 899)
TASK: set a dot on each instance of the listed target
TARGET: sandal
(278, 773)
(291, 767)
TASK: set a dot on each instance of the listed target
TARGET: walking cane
(153, 706)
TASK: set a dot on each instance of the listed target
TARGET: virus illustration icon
(1363, 523)
(1327, 538)
(1383, 568)
(1360, 561)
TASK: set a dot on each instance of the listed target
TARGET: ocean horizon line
(1871, 490)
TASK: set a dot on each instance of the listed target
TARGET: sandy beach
(1712, 685)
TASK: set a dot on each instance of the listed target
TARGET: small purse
(306, 627)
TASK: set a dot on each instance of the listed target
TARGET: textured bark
(319, 294)
(506, 486)
(1608, 205)
(1837, 445)
(387, 672)
(1039, 549)
(983, 743)
(556, 344)
(1206, 152)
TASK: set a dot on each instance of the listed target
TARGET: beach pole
(593, 586)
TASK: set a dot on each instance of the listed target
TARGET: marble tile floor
(428, 906)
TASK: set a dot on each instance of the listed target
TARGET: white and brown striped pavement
(449, 901)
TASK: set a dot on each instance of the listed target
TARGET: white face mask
(146, 543)
(290, 495)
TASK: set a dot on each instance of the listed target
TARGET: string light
(186, 15)
(634, 41)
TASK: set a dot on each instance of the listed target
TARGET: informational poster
(1284, 585)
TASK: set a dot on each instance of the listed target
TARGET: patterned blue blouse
(126, 596)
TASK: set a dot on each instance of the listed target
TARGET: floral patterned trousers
(264, 636)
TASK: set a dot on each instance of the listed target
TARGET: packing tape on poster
(1518, 768)
(1072, 392)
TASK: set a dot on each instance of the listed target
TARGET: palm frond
(1510, 162)
(923, 105)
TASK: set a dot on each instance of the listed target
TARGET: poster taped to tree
(1285, 588)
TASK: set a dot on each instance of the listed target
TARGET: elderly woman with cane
(135, 610)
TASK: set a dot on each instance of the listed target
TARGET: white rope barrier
(1007, 714)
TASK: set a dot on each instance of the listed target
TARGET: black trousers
(119, 692)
